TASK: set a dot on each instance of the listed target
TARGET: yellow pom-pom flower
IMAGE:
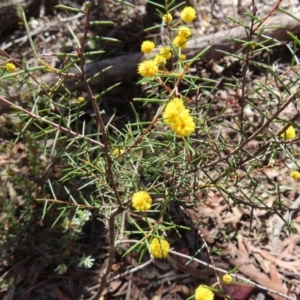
(178, 118)
(141, 201)
(10, 67)
(80, 99)
(295, 175)
(147, 47)
(184, 31)
(166, 52)
(148, 68)
(159, 248)
(180, 41)
(173, 108)
(185, 125)
(227, 278)
(183, 57)
(188, 14)
(204, 293)
(160, 60)
(289, 134)
(167, 18)
(116, 152)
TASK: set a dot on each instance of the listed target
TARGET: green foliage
(78, 165)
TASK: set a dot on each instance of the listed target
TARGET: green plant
(173, 161)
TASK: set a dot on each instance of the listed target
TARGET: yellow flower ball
(227, 278)
(80, 99)
(204, 293)
(178, 118)
(188, 14)
(116, 152)
(10, 67)
(160, 60)
(184, 31)
(183, 57)
(166, 52)
(147, 47)
(180, 41)
(159, 248)
(289, 134)
(148, 68)
(172, 110)
(141, 201)
(295, 175)
(167, 18)
(184, 126)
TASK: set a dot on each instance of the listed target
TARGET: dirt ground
(252, 238)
